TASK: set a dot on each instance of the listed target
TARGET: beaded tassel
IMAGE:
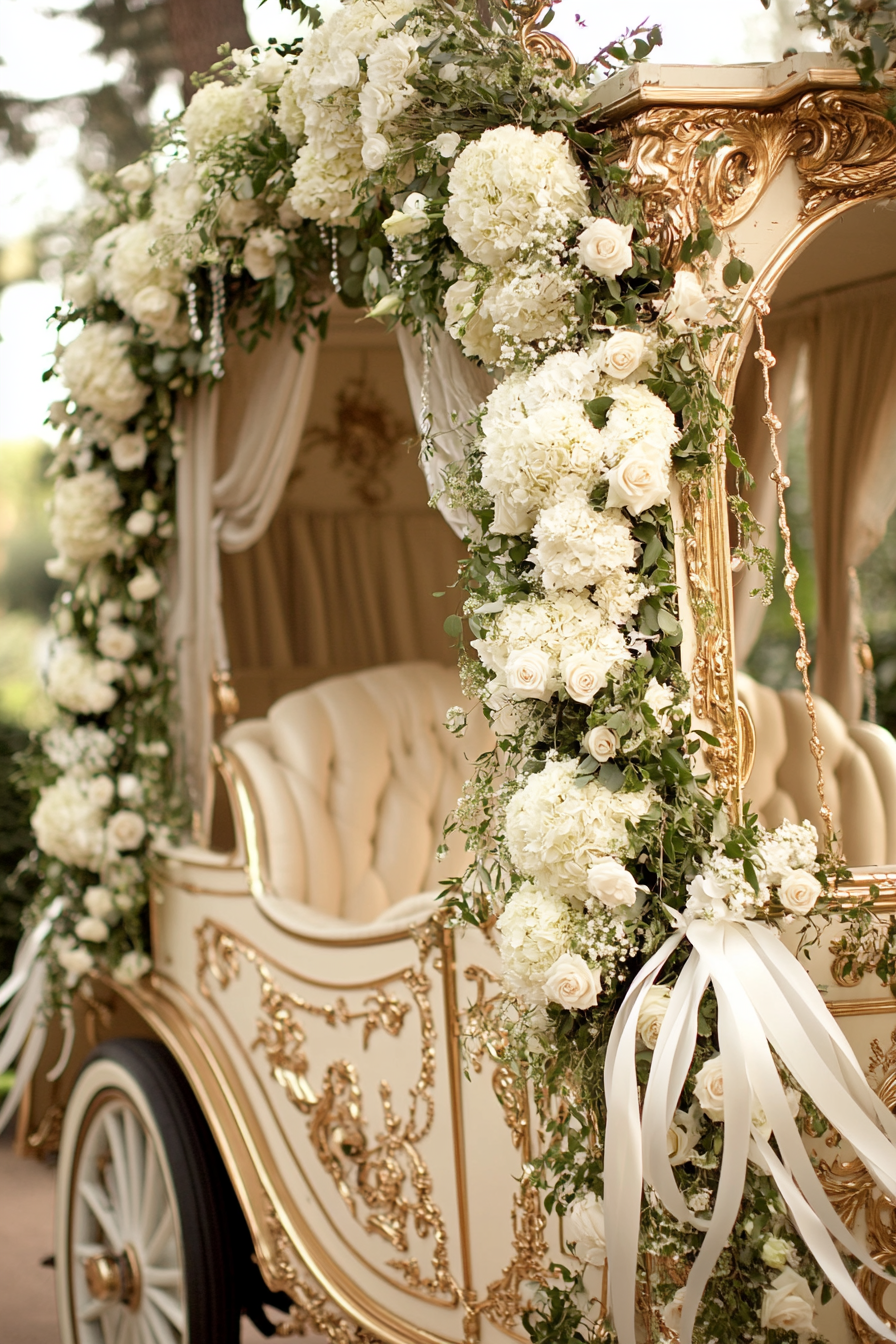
(427, 447)
(216, 331)
(331, 236)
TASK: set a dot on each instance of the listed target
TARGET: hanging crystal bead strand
(427, 447)
(216, 329)
(192, 313)
(331, 237)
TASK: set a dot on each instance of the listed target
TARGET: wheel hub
(114, 1278)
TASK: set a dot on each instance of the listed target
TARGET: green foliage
(16, 843)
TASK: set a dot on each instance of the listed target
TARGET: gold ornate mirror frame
(844, 152)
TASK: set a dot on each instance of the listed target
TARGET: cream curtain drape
(241, 439)
(850, 342)
(457, 387)
(852, 369)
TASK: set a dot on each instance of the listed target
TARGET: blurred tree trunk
(198, 27)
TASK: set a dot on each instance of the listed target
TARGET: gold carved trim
(861, 1007)
(841, 142)
(542, 46)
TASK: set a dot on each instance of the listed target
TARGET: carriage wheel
(143, 1246)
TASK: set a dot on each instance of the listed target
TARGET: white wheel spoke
(98, 1202)
(110, 1324)
(84, 1249)
(167, 1303)
(161, 1277)
(161, 1236)
(118, 1174)
(144, 1330)
(153, 1193)
(161, 1330)
(92, 1311)
(132, 1177)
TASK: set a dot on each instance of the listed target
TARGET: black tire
(141, 1077)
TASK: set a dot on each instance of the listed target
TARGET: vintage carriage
(310, 1080)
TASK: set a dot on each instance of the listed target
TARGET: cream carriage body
(342, 1042)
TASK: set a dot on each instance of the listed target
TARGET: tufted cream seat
(353, 778)
(859, 766)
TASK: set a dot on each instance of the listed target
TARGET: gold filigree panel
(382, 1178)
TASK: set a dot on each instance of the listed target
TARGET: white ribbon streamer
(765, 999)
(21, 997)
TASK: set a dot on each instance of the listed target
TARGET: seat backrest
(354, 777)
(859, 766)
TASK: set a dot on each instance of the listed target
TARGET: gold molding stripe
(861, 1007)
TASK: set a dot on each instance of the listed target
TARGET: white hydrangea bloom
(510, 188)
(136, 264)
(81, 526)
(535, 928)
(68, 824)
(85, 750)
(98, 373)
(320, 103)
(578, 547)
(531, 459)
(556, 830)
(559, 628)
(220, 112)
(78, 681)
(465, 322)
(531, 303)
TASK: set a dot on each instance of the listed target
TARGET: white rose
(611, 884)
(132, 967)
(601, 743)
(709, 1088)
(374, 152)
(135, 176)
(129, 788)
(402, 224)
(447, 144)
(76, 680)
(586, 1228)
(270, 72)
(143, 677)
(99, 902)
(775, 1251)
(799, 891)
(141, 523)
(583, 676)
(604, 247)
(682, 1137)
(572, 983)
(91, 930)
(76, 962)
(155, 307)
(263, 247)
(671, 1312)
(125, 830)
(788, 1304)
(116, 642)
(450, 72)
(528, 673)
(622, 354)
(129, 452)
(79, 289)
(144, 586)
(686, 302)
(108, 612)
(653, 1009)
(288, 215)
(100, 791)
(638, 482)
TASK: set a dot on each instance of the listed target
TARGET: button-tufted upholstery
(859, 767)
(354, 778)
